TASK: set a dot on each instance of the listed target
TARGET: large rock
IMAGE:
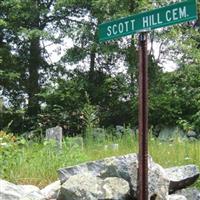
(34, 195)
(190, 193)
(176, 197)
(10, 191)
(181, 177)
(51, 191)
(125, 167)
(89, 187)
(158, 183)
(115, 188)
(29, 188)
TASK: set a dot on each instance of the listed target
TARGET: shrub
(10, 151)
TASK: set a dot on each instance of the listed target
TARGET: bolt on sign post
(142, 23)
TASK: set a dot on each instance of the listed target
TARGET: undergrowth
(27, 162)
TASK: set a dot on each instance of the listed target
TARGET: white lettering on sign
(151, 20)
(121, 27)
(126, 24)
(182, 12)
(168, 16)
(145, 22)
(133, 24)
(176, 13)
(159, 20)
(115, 29)
(109, 31)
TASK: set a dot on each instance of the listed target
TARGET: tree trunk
(91, 76)
(34, 66)
(92, 66)
(133, 57)
(33, 81)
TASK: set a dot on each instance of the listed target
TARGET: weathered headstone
(113, 147)
(55, 134)
(99, 134)
(168, 133)
(33, 135)
(120, 130)
(192, 136)
(75, 142)
(28, 135)
(191, 133)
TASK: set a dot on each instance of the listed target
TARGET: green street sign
(146, 21)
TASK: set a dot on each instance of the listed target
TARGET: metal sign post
(143, 118)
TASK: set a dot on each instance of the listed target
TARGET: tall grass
(37, 163)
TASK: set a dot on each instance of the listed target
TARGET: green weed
(37, 163)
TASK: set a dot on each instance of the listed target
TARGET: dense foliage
(37, 94)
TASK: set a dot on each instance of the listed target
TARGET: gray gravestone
(112, 147)
(191, 134)
(121, 130)
(55, 134)
(168, 133)
(76, 142)
(99, 134)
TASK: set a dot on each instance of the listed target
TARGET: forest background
(37, 93)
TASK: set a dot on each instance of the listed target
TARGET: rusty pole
(143, 118)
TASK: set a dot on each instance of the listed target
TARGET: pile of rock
(111, 178)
